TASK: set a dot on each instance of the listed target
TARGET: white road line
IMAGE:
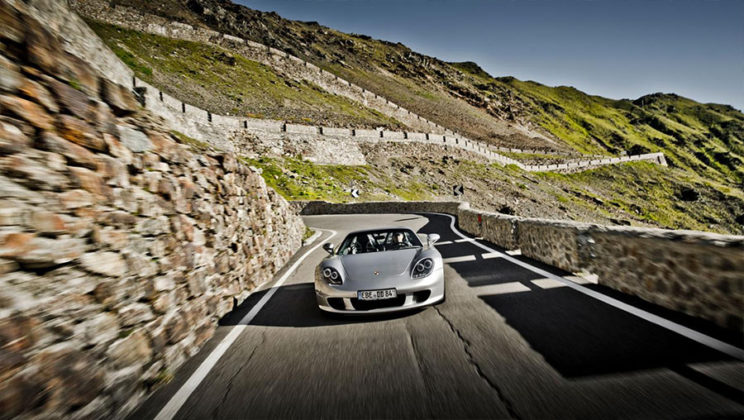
(591, 279)
(183, 394)
(443, 243)
(514, 252)
(466, 240)
(490, 255)
(501, 289)
(693, 335)
(458, 259)
(547, 283)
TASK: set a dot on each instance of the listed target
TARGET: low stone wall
(499, 228)
(697, 273)
(700, 274)
(119, 247)
(551, 241)
(307, 208)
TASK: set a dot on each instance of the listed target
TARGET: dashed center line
(501, 289)
(459, 241)
(458, 259)
(547, 283)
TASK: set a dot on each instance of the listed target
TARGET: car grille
(367, 305)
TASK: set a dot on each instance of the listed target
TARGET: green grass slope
(640, 193)
(702, 139)
(212, 78)
(706, 139)
(704, 143)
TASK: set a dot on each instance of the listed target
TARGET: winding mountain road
(508, 342)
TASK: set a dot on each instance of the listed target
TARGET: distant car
(380, 270)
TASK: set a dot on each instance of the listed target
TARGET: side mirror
(329, 248)
(432, 238)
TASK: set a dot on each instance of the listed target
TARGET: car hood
(362, 267)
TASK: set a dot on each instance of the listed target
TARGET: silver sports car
(380, 270)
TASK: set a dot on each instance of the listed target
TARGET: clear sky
(612, 48)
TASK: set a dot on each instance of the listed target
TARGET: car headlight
(422, 268)
(331, 275)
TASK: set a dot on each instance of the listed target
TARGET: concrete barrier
(336, 132)
(301, 129)
(375, 134)
(393, 135)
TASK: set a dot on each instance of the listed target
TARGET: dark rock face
(506, 210)
(688, 194)
(103, 213)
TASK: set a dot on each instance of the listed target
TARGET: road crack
(471, 360)
(215, 412)
(419, 368)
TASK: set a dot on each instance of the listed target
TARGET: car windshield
(379, 240)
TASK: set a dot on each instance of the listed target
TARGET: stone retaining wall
(119, 247)
(697, 273)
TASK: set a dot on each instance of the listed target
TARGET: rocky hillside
(225, 83)
(705, 139)
(702, 142)
(638, 194)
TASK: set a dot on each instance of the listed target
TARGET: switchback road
(508, 342)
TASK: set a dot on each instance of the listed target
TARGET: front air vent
(421, 296)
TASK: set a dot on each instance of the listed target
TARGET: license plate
(377, 294)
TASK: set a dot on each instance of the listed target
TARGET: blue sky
(617, 49)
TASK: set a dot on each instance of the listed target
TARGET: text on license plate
(376, 294)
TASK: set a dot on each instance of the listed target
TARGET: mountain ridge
(702, 143)
(702, 139)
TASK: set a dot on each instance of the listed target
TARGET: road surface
(507, 343)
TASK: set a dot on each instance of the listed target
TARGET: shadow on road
(580, 336)
(295, 306)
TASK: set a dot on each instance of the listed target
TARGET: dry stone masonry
(119, 247)
(697, 273)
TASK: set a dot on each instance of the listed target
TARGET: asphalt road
(507, 343)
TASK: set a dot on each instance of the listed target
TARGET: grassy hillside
(217, 80)
(640, 194)
(703, 139)
(704, 143)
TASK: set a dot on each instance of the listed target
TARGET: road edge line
(178, 399)
(689, 333)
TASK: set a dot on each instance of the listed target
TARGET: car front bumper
(416, 294)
